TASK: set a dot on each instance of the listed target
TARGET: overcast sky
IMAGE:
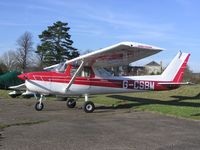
(170, 24)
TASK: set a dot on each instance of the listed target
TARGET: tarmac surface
(60, 128)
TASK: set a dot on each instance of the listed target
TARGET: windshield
(61, 67)
(58, 67)
(102, 72)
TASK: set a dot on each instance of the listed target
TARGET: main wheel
(71, 103)
(39, 106)
(88, 107)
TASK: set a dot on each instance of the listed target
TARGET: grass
(183, 102)
(4, 93)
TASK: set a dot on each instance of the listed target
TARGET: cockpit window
(58, 68)
(61, 67)
(86, 72)
(102, 72)
(73, 71)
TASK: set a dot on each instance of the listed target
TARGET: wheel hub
(39, 106)
(89, 107)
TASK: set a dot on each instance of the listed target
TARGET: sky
(172, 24)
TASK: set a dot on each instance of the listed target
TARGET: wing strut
(75, 75)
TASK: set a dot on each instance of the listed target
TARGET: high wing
(119, 54)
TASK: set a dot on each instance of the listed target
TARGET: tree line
(56, 46)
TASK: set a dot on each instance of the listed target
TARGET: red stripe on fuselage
(113, 83)
(62, 78)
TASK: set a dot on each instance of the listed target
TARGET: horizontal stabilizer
(176, 83)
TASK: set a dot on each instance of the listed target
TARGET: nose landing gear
(39, 105)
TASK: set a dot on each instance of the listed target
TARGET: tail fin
(175, 70)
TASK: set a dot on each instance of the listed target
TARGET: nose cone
(23, 76)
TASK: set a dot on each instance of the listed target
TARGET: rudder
(175, 70)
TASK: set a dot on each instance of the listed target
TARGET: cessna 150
(85, 75)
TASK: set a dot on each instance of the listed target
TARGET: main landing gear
(71, 103)
(88, 106)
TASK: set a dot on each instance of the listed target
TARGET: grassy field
(183, 102)
(4, 94)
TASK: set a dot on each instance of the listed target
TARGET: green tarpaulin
(10, 79)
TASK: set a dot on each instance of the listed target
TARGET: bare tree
(24, 50)
(9, 60)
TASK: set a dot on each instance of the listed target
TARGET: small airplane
(86, 75)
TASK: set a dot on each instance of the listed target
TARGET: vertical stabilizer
(175, 70)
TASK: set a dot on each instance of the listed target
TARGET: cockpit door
(82, 82)
(86, 76)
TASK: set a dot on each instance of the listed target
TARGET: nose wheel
(39, 105)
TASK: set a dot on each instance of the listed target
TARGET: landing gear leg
(39, 105)
(88, 106)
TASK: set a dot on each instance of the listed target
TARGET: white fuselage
(57, 88)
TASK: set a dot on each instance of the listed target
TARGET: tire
(88, 107)
(71, 103)
(39, 107)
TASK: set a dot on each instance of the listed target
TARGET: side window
(73, 71)
(86, 72)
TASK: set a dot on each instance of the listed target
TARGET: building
(153, 68)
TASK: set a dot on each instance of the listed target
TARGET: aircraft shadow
(149, 101)
(1, 137)
(180, 98)
(198, 114)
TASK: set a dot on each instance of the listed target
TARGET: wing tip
(140, 45)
